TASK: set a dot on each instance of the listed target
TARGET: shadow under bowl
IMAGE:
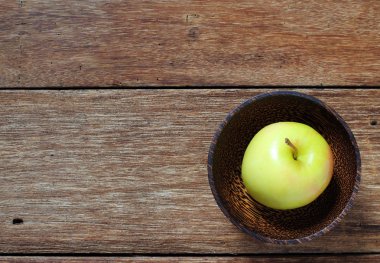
(226, 155)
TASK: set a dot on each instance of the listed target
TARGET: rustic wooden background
(182, 42)
(99, 170)
(124, 171)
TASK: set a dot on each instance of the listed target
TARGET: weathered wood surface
(160, 42)
(259, 259)
(125, 171)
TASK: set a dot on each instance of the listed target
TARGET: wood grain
(125, 171)
(160, 42)
(258, 259)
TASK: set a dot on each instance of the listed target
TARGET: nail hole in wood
(374, 122)
(17, 221)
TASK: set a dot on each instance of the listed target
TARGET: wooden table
(92, 168)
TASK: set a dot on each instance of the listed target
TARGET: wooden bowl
(226, 154)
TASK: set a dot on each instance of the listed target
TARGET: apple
(287, 165)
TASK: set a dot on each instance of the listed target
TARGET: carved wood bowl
(226, 155)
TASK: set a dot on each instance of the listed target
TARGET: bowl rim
(217, 197)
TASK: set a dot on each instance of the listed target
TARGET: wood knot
(193, 33)
(17, 221)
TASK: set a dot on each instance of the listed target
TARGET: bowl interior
(227, 155)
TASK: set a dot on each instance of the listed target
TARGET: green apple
(287, 165)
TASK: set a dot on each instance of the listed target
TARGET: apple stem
(294, 149)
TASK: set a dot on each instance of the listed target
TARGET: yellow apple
(287, 165)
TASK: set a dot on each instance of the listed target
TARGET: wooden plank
(160, 42)
(125, 171)
(10, 45)
(257, 259)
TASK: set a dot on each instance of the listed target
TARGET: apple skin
(274, 178)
